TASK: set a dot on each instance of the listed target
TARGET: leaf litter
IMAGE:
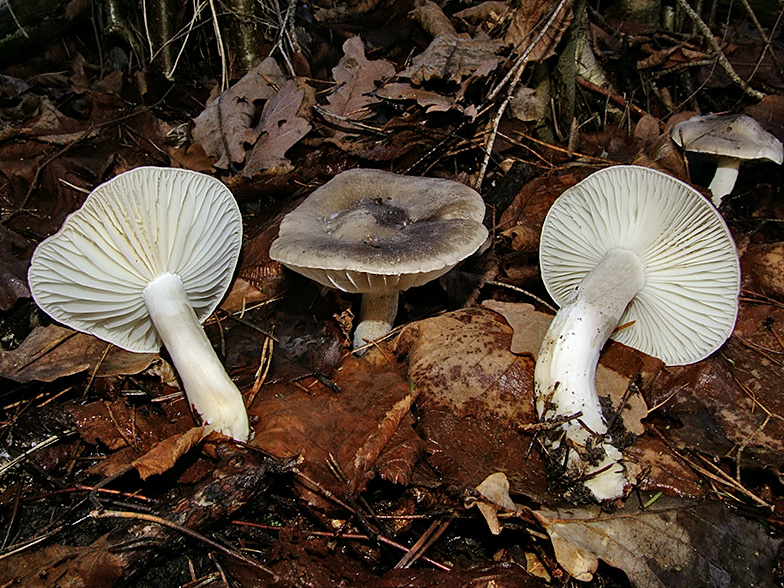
(364, 470)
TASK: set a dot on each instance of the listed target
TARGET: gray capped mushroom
(733, 139)
(147, 258)
(627, 245)
(376, 233)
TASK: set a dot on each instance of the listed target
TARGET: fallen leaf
(225, 126)
(473, 394)
(450, 58)
(429, 100)
(525, 23)
(162, 457)
(673, 544)
(54, 352)
(280, 128)
(349, 428)
(13, 271)
(494, 491)
(357, 79)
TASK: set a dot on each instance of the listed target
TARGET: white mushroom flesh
(566, 369)
(208, 387)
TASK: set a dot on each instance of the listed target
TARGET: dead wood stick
(722, 59)
(615, 99)
(512, 79)
(773, 55)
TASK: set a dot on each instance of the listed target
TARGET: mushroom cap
(728, 135)
(368, 230)
(142, 224)
(687, 307)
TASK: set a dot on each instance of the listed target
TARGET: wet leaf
(280, 128)
(473, 394)
(672, 544)
(225, 127)
(348, 429)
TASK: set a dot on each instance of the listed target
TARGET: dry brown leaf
(673, 544)
(429, 100)
(523, 27)
(450, 58)
(279, 129)
(494, 490)
(224, 128)
(162, 457)
(430, 16)
(53, 352)
(357, 79)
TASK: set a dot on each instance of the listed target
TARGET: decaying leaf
(225, 127)
(357, 78)
(473, 395)
(347, 429)
(280, 128)
(53, 352)
(673, 544)
(427, 99)
(450, 58)
(162, 457)
(13, 272)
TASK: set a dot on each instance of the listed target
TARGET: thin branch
(722, 59)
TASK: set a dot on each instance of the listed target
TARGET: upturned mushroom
(146, 259)
(633, 246)
(377, 233)
(733, 139)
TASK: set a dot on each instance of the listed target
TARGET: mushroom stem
(724, 179)
(376, 316)
(566, 370)
(207, 385)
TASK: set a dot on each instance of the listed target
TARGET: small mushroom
(635, 247)
(144, 261)
(376, 233)
(732, 138)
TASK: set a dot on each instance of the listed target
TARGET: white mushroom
(144, 261)
(376, 233)
(732, 138)
(633, 246)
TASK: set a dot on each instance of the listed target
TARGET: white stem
(207, 385)
(376, 316)
(566, 367)
(724, 179)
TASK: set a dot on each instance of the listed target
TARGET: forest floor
(418, 464)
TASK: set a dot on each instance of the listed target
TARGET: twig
(722, 59)
(615, 98)
(121, 514)
(513, 79)
(767, 47)
(221, 47)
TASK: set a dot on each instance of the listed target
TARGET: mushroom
(376, 233)
(632, 246)
(732, 138)
(144, 261)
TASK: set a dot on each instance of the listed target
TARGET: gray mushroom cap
(369, 230)
(728, 135)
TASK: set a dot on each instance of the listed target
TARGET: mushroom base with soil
(207, 385)
(566, 370)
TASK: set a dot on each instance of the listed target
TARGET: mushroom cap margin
(443, 227)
